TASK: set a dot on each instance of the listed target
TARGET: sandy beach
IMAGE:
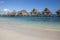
(29, 20)
(12, 31)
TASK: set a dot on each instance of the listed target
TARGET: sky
(28, 5)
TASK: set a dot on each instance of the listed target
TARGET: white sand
(12, 35)
(9, 31)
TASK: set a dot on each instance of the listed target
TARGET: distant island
(34, 12)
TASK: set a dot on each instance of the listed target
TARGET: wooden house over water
(46, 11)
(58, 12)
(22, 13)
(13, 13)
(35, 12)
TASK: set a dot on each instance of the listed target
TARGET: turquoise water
(38, 21)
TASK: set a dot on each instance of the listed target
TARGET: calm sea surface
(38, 21)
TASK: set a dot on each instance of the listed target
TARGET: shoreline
(32, 27)
(13, 31)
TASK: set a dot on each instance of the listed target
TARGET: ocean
(45, 22)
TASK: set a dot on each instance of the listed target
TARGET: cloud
(5, 9)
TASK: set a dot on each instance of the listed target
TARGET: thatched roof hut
(34, 12)
(46, 11)
(23, 12)
(58, 12)
(13, 13)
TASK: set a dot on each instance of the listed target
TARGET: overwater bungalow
(58, 12)
(22, 13)
(46, 11)
(13, 13)
(35, 12)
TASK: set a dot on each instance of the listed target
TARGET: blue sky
(28, 5)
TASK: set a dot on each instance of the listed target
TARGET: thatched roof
(46, 10)
(13, 12)
(35, 11)
(23, 11)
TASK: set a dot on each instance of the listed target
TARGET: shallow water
(47, 22)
